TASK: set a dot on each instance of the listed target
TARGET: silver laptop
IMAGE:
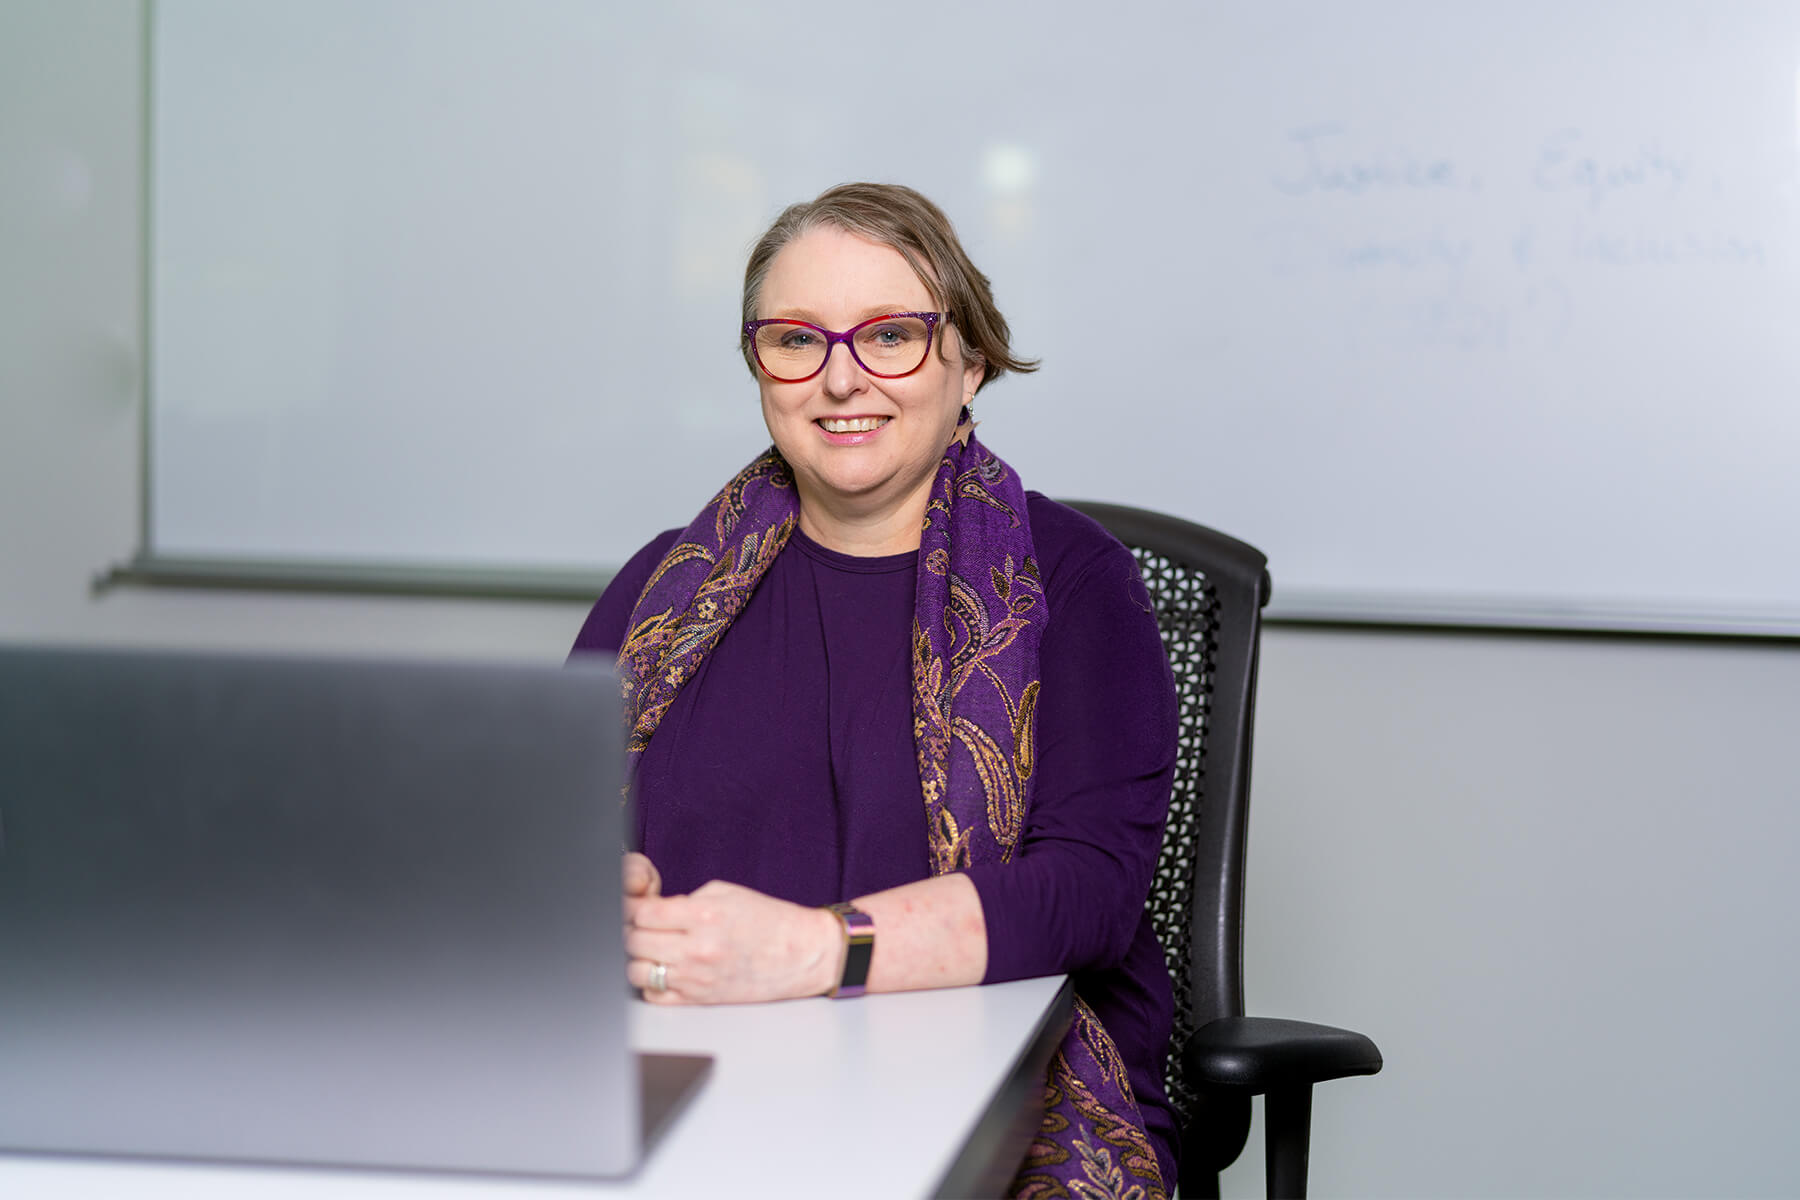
(332, 912)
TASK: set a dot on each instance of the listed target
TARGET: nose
(843, 376)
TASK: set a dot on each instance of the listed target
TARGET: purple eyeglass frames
(892, 340)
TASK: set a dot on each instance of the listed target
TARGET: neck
(864, 531)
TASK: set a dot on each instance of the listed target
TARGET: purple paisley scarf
(978, 621)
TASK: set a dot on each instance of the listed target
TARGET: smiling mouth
(852, 424)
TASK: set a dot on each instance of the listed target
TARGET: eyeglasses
(887, 346)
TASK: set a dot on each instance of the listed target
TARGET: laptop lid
(340, 912)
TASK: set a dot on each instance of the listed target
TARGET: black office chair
(1209, 591)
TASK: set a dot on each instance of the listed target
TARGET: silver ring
(659, 977)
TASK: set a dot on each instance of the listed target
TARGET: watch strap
(859, 949)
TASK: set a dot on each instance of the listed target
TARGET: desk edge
(990, 1155)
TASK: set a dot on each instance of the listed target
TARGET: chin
(852, 479)
(851, 489)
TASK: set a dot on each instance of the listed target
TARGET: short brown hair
(901, 218)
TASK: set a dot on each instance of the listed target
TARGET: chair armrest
(1261, 1054)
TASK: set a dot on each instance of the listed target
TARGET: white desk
(891, 1095)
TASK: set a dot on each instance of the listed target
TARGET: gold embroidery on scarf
(662, 651)
(972, 640)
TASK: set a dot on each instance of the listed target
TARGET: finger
(659, 912)
(640, 973)
(654, 945)
(640, 876)
(632, 904)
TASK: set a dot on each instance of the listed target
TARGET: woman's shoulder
(604, 630)
(1089, 575)
(1070, 544)
(1101, 632)
(640, 565)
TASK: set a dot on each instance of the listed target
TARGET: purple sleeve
(604, 630)
(1073, 898)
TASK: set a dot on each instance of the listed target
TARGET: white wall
(1552, 877)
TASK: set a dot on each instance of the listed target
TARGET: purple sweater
(787, 765)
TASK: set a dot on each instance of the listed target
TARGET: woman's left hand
(728, 944)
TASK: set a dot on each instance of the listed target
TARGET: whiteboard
(1487, 312)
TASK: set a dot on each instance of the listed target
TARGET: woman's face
(864, 449)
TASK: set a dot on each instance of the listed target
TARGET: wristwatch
(859, 949)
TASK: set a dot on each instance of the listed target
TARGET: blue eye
(890, 335)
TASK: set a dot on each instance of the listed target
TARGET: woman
(878, 675)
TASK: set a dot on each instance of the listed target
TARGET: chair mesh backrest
(1187, 613)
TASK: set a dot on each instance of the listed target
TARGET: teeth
(851, 424)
